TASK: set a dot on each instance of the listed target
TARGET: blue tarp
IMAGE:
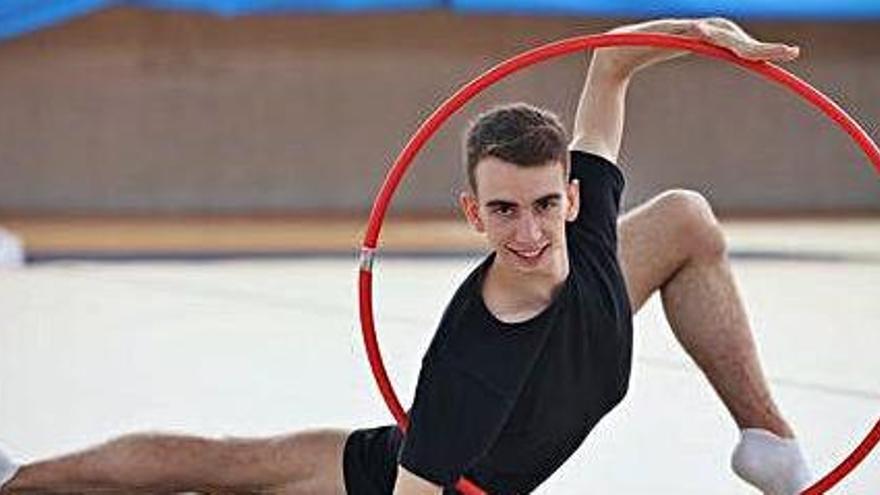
(22, 16)
(243, 7)
(774, 9)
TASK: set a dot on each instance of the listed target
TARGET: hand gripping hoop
(519, 62)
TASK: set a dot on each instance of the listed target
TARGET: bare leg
(673, 244)
(309, 462)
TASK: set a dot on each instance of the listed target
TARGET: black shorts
(369, 461)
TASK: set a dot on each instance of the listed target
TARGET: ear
(471, 209)
(573, 191)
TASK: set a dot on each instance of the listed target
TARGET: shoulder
(460, 312)
(586, 165)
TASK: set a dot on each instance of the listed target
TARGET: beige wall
(134, 111)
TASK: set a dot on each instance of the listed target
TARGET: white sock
(774, 465)
(8, 468)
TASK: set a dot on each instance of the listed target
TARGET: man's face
(522, 211)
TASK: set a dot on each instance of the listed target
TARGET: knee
(695, 224)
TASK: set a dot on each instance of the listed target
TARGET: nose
(528, 230)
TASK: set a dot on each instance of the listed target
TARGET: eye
(547, 204)
(504, 210)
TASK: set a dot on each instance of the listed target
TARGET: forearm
(599, 121)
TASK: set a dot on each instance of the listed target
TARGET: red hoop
(519, 62)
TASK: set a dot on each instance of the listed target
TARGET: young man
(535, 346)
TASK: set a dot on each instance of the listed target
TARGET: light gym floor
(175, 332)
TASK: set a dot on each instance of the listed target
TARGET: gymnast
(535, 346)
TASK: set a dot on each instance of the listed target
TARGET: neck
(513, 295)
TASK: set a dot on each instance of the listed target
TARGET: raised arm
(598, 125)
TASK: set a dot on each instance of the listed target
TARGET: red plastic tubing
(519, 62)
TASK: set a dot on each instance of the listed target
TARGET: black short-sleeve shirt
(505, 404)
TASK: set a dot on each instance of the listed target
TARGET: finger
(750, 48)
(777, 52)
(745, 46)
(768, 52)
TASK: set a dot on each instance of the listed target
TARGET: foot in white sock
(8, 468)
(774, 465)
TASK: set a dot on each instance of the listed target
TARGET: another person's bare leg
(309, 462)
(674, 244)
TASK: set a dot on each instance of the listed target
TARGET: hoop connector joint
(368, 255)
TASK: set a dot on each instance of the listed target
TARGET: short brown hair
(518, 133)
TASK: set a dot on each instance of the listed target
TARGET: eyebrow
(543, 199)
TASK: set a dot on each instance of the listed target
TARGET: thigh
(650, 248)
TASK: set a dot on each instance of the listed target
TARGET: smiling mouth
(529, 255)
